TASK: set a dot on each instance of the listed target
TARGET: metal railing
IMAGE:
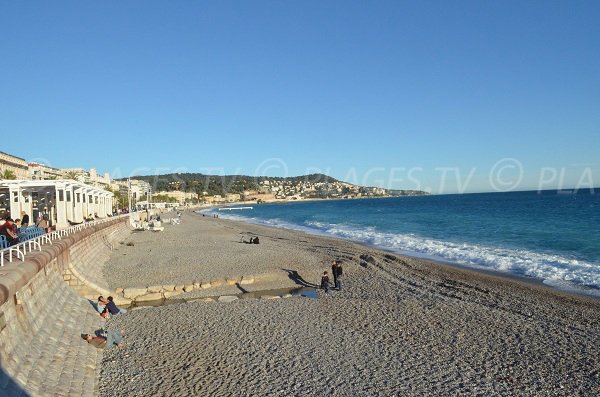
(20, 250)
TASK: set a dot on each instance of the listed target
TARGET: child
(325, 281)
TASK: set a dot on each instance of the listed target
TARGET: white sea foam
(553, 270)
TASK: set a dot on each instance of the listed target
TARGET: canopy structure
(65, 201)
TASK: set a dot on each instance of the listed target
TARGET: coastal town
(192, 189)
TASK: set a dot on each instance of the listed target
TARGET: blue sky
(444, 96)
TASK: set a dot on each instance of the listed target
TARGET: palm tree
(8, 174)
(71, 175)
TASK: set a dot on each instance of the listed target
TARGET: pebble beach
(399, 327)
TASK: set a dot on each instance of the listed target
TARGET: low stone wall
(159, 292)
(41, 319)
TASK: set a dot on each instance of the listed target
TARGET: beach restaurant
(64, 201)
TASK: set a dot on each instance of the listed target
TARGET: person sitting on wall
(113, 309)
(101, 306)
(8, 230)
(104, 339)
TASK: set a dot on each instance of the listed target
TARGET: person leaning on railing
(8, 231)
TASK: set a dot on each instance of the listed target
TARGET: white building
(17, 165)
(65, 201)
(178, 195)
(39, 172)
(138, 189)
(90, 178)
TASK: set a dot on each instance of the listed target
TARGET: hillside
(305, 186)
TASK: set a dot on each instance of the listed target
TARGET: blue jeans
(113, 338)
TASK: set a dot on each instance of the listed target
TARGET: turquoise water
(550, 236)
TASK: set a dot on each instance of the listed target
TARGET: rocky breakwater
(41, 319)
(154, 293)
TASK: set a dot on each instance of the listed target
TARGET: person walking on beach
(325, 281)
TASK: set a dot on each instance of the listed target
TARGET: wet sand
(401, 326)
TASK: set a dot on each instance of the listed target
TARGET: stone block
(132, 293)
(168, 287)
(247, 280)
(216, 283)
(120, 301)
(205, 285)
(188, 287)
(155, 288)
(170, 294)
(231, 281)
(154, 296)
(227, 298)
(179, 288)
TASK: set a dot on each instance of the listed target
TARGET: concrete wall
(42, 317)
(86, 258)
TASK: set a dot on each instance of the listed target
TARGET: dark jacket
(112, 308)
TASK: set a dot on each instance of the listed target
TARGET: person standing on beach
(325, 281)
(334, 272)
(338, 276)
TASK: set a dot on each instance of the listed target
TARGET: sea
(551, 236)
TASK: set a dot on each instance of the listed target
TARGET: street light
(129, 196)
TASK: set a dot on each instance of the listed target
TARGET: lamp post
(129, 196)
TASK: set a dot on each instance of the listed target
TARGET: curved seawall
(43, 311)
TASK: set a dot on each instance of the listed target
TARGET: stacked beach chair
(29, 232)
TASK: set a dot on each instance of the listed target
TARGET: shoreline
(523, 280)
(581, 291)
